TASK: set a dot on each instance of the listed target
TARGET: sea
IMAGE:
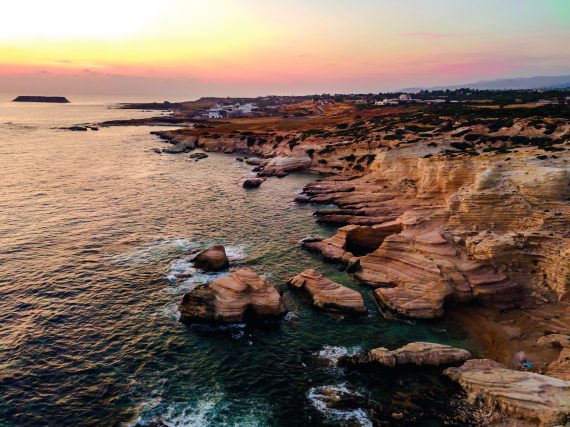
(95, 235)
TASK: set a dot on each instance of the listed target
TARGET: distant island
(52, 99)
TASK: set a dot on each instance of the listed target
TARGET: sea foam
(358, 416)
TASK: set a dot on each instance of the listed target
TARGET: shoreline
(471, 316)
(477, 265)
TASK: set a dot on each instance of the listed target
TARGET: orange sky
(187, 48)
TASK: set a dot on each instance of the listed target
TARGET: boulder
(327, 294)
(255, 161)
(240, 296)
(282, 165)
(180, 147)
(253, 182)
(417, 353)
(524, 395)
(212, 259)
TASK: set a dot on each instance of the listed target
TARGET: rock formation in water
(240, 296)
(327, 294)
(253, 182)
(417, 353)
(212, 259)
(49, 99)
(523, 395)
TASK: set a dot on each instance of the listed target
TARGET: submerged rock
(239, 297)
(523, 395)
(417, 353)
(212, 259)
(327, 294)
(256, 161)
(253, 182)
(341, 403)
(198, 156)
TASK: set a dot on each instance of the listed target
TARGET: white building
(223, 111)
(405, 97)
(246, 109)
(387, 101)
(217, 112)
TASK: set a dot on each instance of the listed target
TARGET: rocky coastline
(441, 213)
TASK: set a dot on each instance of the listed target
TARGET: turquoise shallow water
(94, 229)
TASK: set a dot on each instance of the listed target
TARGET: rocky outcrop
(212, 259)
(327, 294)
(429, 230)
(554, 341)
(180, 143)
(283, 165)
(560, 367)
(527, 396)
(241, 296)
(253, 182)
(418, 353)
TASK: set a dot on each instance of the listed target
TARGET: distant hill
(561, 85)
(53, 99)
(537, 82)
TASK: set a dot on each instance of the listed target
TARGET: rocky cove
(441, 215)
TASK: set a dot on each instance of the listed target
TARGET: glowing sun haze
(189, 48)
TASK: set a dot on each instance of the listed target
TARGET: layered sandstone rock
(528, 396)
(240, 296)
(417, 353)
(432, 230)
(212, 259)
(327, 294)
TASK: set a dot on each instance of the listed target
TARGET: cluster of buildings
(554, 101)
(219, 111)
(407, 98)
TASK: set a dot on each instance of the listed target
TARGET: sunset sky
(186, 48)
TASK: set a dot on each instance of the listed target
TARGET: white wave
(236, 253)
(171, 311)
(181, 267)
(178, 286)
(290, 316)
(317, 395)
(333, 353)
(155, 250)
(211, 410)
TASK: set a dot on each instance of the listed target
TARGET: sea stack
(240, 296)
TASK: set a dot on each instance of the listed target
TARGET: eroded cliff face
(490, 227)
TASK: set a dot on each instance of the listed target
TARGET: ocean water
(95, 229)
